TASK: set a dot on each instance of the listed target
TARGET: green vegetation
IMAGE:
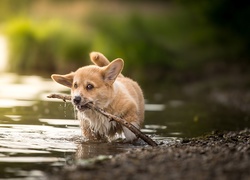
(180, 36)
(44, 46)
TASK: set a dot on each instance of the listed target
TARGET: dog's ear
(113, 70)
(65, 80)
(99, 59)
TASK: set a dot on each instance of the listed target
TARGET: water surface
(39, 135)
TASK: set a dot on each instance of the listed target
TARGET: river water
(40, 135)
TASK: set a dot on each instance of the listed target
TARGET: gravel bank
(218, 156)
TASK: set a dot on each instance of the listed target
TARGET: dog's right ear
(111, 71)
(99, 59)
(65, 80)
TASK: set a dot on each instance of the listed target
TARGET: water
(40, 135)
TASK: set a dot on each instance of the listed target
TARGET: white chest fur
(97, 123)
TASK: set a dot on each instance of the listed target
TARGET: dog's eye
(75, 85)
(89, 86)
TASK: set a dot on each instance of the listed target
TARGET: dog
(103, 85)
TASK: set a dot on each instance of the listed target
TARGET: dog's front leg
(131, 117)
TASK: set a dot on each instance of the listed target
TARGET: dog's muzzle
(80, 103)
(77, 100)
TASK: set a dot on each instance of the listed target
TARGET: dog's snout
(77, 100)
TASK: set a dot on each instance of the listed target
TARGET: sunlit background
(191, 59)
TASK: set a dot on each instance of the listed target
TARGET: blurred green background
(158, 40)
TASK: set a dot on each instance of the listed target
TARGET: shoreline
(221, 155)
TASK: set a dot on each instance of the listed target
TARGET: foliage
(44, 46)
(186, 37)
(229, 18)
(12, 8)
(155, 44)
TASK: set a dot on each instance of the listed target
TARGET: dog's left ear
(111, 71)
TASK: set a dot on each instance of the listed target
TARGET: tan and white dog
(104, 86)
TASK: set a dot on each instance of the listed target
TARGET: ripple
(154, 107)
(29, 159)
(72, 122)
(30, 137)
(23, 151)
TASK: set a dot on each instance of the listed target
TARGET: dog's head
(93, 83)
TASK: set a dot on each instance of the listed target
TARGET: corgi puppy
(103, 85)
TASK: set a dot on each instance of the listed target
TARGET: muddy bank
(217, 156)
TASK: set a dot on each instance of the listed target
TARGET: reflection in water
(66, 122)
(154, 107)
(9, 103)
(88, 150)
(30, 159)
(15, 87)
(38, 137)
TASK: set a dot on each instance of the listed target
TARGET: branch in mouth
(123, 122)
(82, 107)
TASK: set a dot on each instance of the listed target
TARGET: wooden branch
(123, 122)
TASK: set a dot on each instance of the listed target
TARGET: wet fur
(111, 91)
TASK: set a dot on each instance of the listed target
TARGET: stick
(130, 126)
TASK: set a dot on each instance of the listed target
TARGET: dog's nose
(77, 100)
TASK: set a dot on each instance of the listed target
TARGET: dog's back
(136, 94)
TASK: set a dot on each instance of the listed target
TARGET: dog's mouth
(82, 107)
